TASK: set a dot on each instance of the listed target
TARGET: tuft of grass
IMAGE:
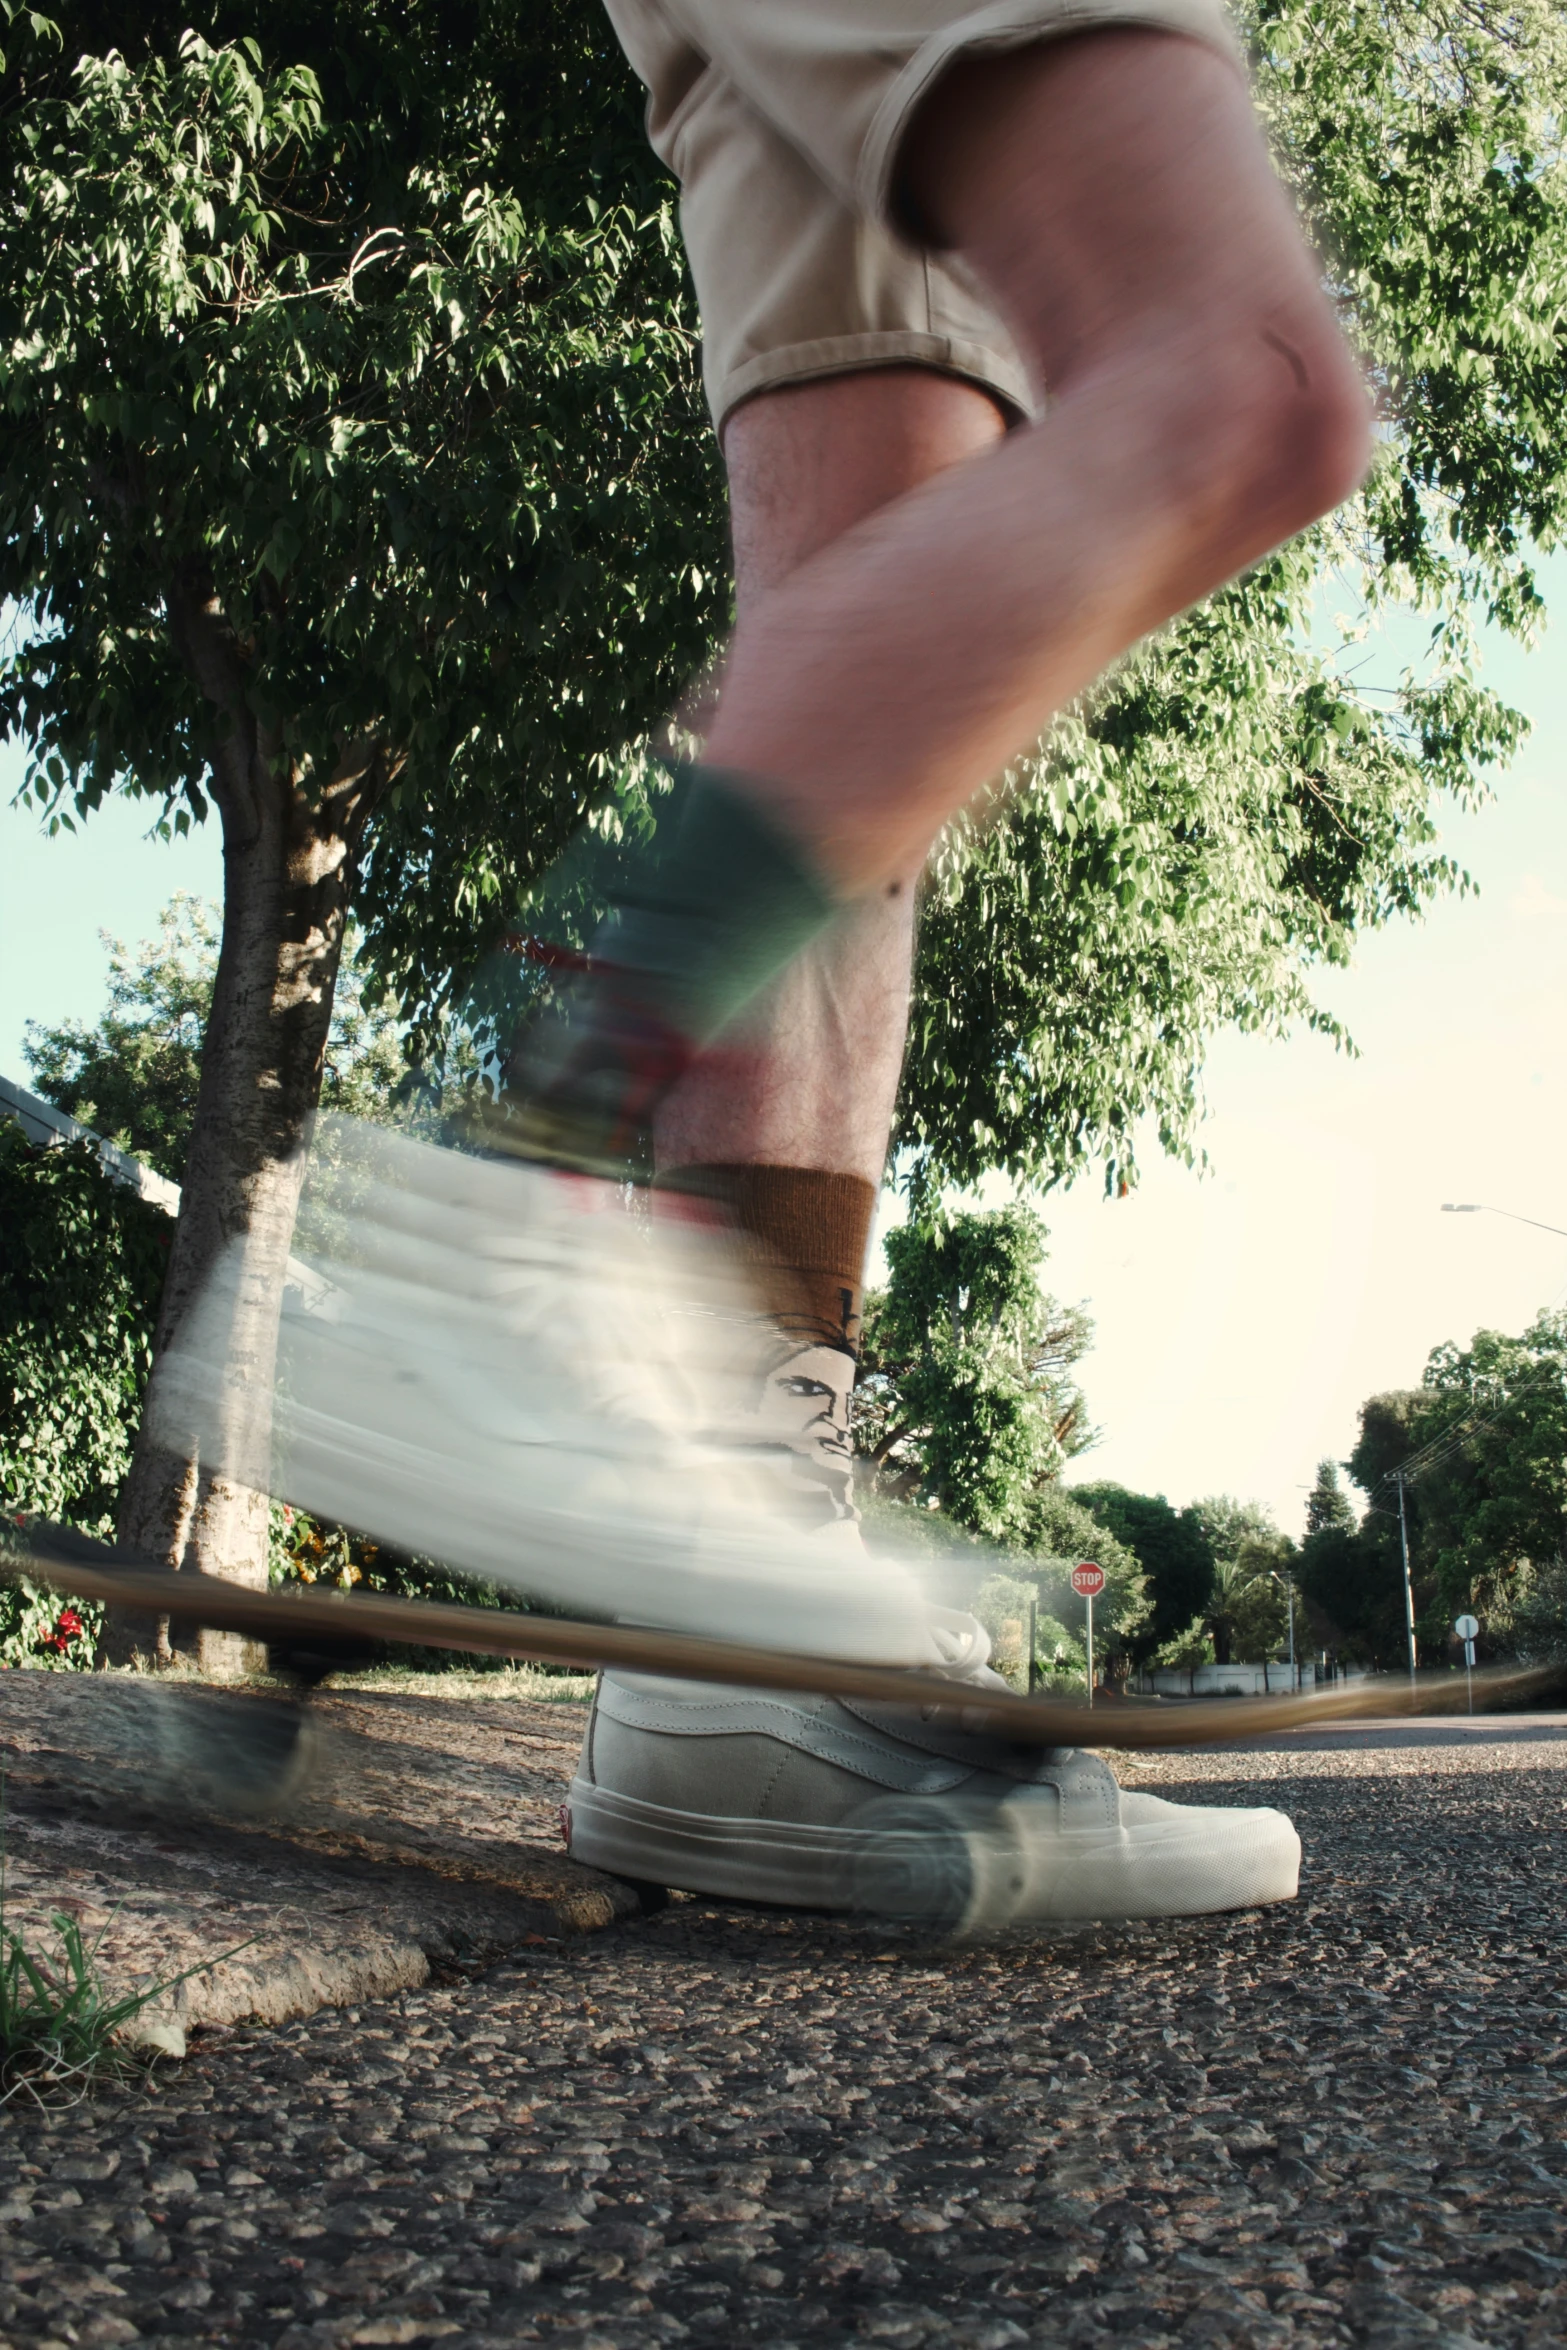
(61, 2035)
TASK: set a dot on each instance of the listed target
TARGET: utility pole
(1286, 1584)
(1409, 1589)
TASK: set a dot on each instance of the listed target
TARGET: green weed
(61, 2035)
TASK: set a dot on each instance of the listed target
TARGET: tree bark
(289, 859)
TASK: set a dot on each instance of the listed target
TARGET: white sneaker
(506, 1368)
(813, 1803)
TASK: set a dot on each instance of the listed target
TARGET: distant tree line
(970, 1412)
(1480, 1447)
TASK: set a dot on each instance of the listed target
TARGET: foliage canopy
(966, 1399)
(1170, 1545)
(396, 378)
(967, 1409)
(83, 1261)
(133, 1075)
(387, 336)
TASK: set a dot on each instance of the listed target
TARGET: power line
(1452, 1439)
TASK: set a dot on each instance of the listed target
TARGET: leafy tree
(134, 1075)
(352, 476)
(1389, 1425)
(1352, 1585)
(1061, 1535)
(1388, 1440)
(1170, 1545)
(1328, 1504)
(1537, 1629)
(1351, 1572)
(1493, 1480)
(967, 1407)
(1482, 1448)
(1237, 1529)
(1250, 1614)
(82, 1261)
(966, 1399)
(1482, 1444)
(1247, 1618)
(1265, 1592)
(1247, 1613)
(1185, 1650)
(1002, 1605)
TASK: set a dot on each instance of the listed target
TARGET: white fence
(48, 1128)
(1239, 1680)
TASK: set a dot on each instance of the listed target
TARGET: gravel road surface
(1340, 2121)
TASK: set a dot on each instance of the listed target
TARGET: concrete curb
(427, 1838)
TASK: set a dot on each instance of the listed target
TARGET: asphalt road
(1338, 2121)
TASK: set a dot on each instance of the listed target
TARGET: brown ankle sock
(806, 1234)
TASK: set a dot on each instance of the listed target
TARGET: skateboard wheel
(243, 1755)
(912, 1861)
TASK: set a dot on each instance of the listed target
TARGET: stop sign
(1088, 1580)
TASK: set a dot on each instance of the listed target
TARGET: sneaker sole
(963, 1868)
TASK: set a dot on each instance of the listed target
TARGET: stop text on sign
(1088, 1581)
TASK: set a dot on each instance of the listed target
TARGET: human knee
(1280, 422)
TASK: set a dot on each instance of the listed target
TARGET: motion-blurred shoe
(894, 1811)
(510, 1368)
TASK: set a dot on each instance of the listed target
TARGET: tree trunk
(289, 858)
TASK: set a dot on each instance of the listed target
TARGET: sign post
(1088, 1581)
(1468, 1630)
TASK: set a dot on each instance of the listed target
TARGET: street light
(1288, 1589)
(1476, 1207)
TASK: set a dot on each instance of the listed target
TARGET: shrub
(81, 1270)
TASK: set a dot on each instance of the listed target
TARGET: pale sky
(1242, 1316)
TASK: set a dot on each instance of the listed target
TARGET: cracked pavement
(1340, 2121)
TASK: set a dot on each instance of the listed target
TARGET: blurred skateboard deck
(329, 1624)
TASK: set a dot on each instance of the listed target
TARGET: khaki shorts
(782, 121)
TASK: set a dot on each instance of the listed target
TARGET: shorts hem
(994, 371)
(1006, 25)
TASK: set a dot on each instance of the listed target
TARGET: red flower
(68, 1627)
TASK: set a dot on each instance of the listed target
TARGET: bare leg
(811, 1077)
(1114, 194)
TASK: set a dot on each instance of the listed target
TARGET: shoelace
(962, 1643)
